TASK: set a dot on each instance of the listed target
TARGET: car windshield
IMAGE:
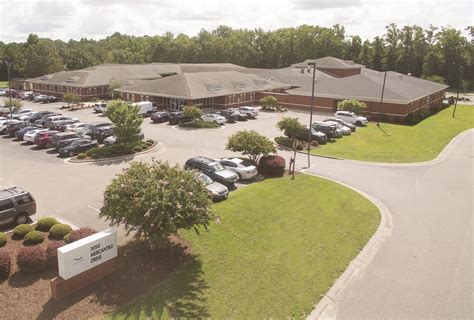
(244, 163)
(205, 179)
(216, 166)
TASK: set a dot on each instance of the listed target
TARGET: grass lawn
(279, 246)
(3, 84)
(421, 142)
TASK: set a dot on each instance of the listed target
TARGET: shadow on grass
(172, 275)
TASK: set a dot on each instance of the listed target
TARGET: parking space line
(92, 208)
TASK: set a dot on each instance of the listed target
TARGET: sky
(96, 19)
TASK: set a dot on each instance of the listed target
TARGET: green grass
(3, 84)
(400, 143)
(279, 246)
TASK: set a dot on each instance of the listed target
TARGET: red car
(44, 139)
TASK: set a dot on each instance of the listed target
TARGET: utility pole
(7, 64)
(381, 97)
(311, 111)
(456, 103)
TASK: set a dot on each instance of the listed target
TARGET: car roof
(9, 192)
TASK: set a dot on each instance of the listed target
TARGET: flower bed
(114, 151)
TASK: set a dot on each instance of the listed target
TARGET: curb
(131, 156)
(327, 306)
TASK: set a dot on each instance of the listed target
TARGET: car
(93, 127)
(54, 120)
(347, 124)
(50, 99)
(319, 136)
(217, 191)
(21, 112)
(25, 94)
(77, 127)
(27, 116)
(178, 117)
(104, 132)
(16, 205)
(249, 110)
(100, 107)
(61, 125)
(12, 128)
(145, 108)
(61, 139)
(44, 139)
(110, 140)
(329, 129)
(351, 117)
(39, 98)
(241, 116)
(213, 169)
(230, 116)
(38, 115)
(20, 133)
(244, 169)
(42, 121)
(213, 118)
(345, 130)
(160, 116)
(30, 136)
(3, 92)
(76, 147)
(5, 123)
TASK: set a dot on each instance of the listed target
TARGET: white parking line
(95, 209)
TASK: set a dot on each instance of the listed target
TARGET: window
(24, 199)
(5, 205)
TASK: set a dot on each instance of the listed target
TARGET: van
(16, 205)
(145, 108)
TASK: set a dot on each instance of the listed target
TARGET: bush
(21, 230)
(45, 224)
(137, 149)
(199, 124)
(52, 251)
(150, 141)
(272, 165)
(288, 143)
(112, 151)
(314, 143)
(59, 231)
(81, 156)
(79, 234)
(33, 237)
(31, 258)
(5, 264)
(3, 239)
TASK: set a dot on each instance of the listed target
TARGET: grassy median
(400, 143)
(279, 246)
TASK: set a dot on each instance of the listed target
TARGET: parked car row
(219, 117)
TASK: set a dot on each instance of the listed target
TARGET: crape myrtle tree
(71, 97)
(192, 112)
(127, 122)
(251, 144)
(291, 126)
(13, 105)
(269, 101)
(351, 105)
(154, 200)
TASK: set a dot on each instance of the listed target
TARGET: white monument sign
(87, 253)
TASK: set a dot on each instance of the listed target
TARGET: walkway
(424, 269)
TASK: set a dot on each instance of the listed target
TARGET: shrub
(33, 237)
(52, 251)
(314, 143)
(79, 234)
(44, 224)
(199, 124)
(58, 231)
(272, 165)
(192, 112)
(5, 264)
(3, 239)
(251, 144)
(21, 230)
(31, 258)
(351, 105)
(288, 143)
(150, 141)
(81, 156)
(137, 149)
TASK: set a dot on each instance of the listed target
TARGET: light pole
(381, 97)
(311, 111)
(7, 64)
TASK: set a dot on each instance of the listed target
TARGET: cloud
(325, 4)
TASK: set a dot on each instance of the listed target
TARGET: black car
(328, 129)
(50, 99)
(76, 147)
(230, 116)
(38, 115)
(213, 169)
(241, 116)
(320, 137)
(12, 128)
(178, 117)
(61, 139)
(20, 133)
(92, 128)
(41, 121)
(160, 116)
(104, 132)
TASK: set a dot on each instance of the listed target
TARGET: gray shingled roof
(367, 86)
(291, 76)
(329, 62)
(201, 85)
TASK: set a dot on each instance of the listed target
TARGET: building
(224, 85)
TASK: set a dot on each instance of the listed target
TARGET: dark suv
(62, 139)
(328, 129)
(16, 205)
(213, 169)
(178, 117)
(302, 135)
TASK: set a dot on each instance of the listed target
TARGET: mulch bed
(28, 295)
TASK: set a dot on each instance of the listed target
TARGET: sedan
(113, 139)
(21, 112)
(5, 123)
(160, 116)
(78, 127)
(213, 118)
(244, 169)
(30, 136)
(76, 147)
(346, 130)
(353, 127)
(20, 133)
(217, 191)
(250, 110)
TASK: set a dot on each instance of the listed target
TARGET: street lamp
(311, 111)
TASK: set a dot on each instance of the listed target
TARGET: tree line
(443, 54)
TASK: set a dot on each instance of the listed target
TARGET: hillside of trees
(436, 53)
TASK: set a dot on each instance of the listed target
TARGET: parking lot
(73, 192)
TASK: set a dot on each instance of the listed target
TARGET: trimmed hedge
(52, 251)
(33, 237)
(3, 239)
(31, 258)
(272, 166)
(199, 124)
(59, 231)
(5, 264)
(288, 143)
(79, 234)
(21, 230)
(45, 224)
(81, 156)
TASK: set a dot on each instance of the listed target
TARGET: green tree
(378, 54)
(365, 56)
(392, 40)
(155, 200)
(13, 105)
(42, 57)
(127, 122)
(291, 126)
(269, 102)
(192, 112)
(71, 97)
(114, 84)
(251, 144)
(436, 78)
(351, 105)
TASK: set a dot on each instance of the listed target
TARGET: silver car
(216, 190)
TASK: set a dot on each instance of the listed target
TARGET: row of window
(66, 89)
(238, 98)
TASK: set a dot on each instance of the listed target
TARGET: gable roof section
(329, 63)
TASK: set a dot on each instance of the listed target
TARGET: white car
(345, 129)
(351, 117)
(39, 97)
(77, 127)
(244, 169)
(5, 123)
(2, 92)
(248, 109)
(213, 117)
(26, 116)
(31, 135)
(100, 107)
(21, 112)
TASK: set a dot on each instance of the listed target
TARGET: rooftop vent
(240, 85)
(215, 87)
(72, 79)
(45, 77)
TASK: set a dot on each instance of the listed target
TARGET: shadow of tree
(141, 270)
(22, 279)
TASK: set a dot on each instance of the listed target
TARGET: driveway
(424, 269)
